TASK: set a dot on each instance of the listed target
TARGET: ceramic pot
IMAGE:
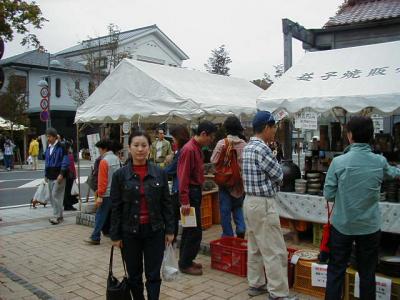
(291, 172)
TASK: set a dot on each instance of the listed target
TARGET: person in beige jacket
(34, 152)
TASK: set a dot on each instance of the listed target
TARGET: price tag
(383, 287)
(319, 274)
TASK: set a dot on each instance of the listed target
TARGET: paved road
(19, 186)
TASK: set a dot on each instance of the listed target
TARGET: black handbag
(117, 290)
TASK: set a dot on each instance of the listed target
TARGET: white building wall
(64, 102)
(148, 48)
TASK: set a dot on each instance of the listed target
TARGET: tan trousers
(265, 246)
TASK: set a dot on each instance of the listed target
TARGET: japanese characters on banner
(318, 274)
(349, 74)
(383, 287)
(94, 151)
(306, 120)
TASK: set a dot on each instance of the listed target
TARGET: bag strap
(330, 210)
(111, 262)
(228, 148)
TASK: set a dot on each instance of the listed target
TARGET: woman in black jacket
(142, 219)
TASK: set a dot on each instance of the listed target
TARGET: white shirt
(52, 147)
(159, 148)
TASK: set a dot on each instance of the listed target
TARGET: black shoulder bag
(117, 290)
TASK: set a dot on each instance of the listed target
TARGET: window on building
(101, 63)
(77, 84)
(58, 87)
(19, 83)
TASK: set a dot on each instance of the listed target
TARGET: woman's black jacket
(125, 197)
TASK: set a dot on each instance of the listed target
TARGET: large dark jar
(291, 172)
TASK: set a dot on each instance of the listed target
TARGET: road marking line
(34, 183)
(19, 179)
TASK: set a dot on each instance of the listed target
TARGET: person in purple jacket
(56, 171)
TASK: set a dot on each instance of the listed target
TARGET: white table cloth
(313, 209)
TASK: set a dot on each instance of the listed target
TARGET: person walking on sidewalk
(8, 154)
(109, 164)
(231, 197)
(142, 220)
(34, 152)
(262, 174)
(70, 200)
(353, 183)
(56, 170)
(191, 179)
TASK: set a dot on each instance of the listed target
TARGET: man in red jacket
(191, 179)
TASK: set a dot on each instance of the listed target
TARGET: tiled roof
(122, 36)
(362, 11)
(104, 39)
(40, 59)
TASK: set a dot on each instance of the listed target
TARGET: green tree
(13, 102)
(218, 62)
(279, 70)
(102, 55)
(16, 16)
(264, 82)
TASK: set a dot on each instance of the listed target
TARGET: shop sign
(349, 74)
(307, 120)
(126, 127)
(383, 287)
(318, 274)
(94, 151)
(378, 123)
(280, 114)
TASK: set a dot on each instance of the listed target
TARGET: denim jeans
(8, 161)
(191, 236)
(101, 217)
(367, 247)
(146, 246)
(231, 206)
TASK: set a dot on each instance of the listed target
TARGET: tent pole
(79, 167)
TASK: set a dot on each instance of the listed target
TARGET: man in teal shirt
(353, 183)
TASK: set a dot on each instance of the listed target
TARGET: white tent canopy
(351, 78)
(154, 93)
(6, 125)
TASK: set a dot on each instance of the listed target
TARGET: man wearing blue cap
(266, 247)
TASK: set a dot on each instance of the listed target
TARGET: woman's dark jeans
(150, 245)
(367, 247)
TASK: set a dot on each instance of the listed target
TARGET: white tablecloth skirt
(313, 209)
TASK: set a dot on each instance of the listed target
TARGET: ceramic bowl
(313, 175)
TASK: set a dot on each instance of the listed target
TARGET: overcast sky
(251, 30)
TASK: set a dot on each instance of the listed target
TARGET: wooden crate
(349, 285)
(206, 211)
(302, 280)
(216, 217)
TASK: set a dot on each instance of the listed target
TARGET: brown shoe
(192, 271)
(92, 242)
(197, 265)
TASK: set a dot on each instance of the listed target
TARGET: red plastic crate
(229, 254)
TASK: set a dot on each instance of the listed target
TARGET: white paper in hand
(189, 220)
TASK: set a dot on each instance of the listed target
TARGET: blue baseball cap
(262, 118)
